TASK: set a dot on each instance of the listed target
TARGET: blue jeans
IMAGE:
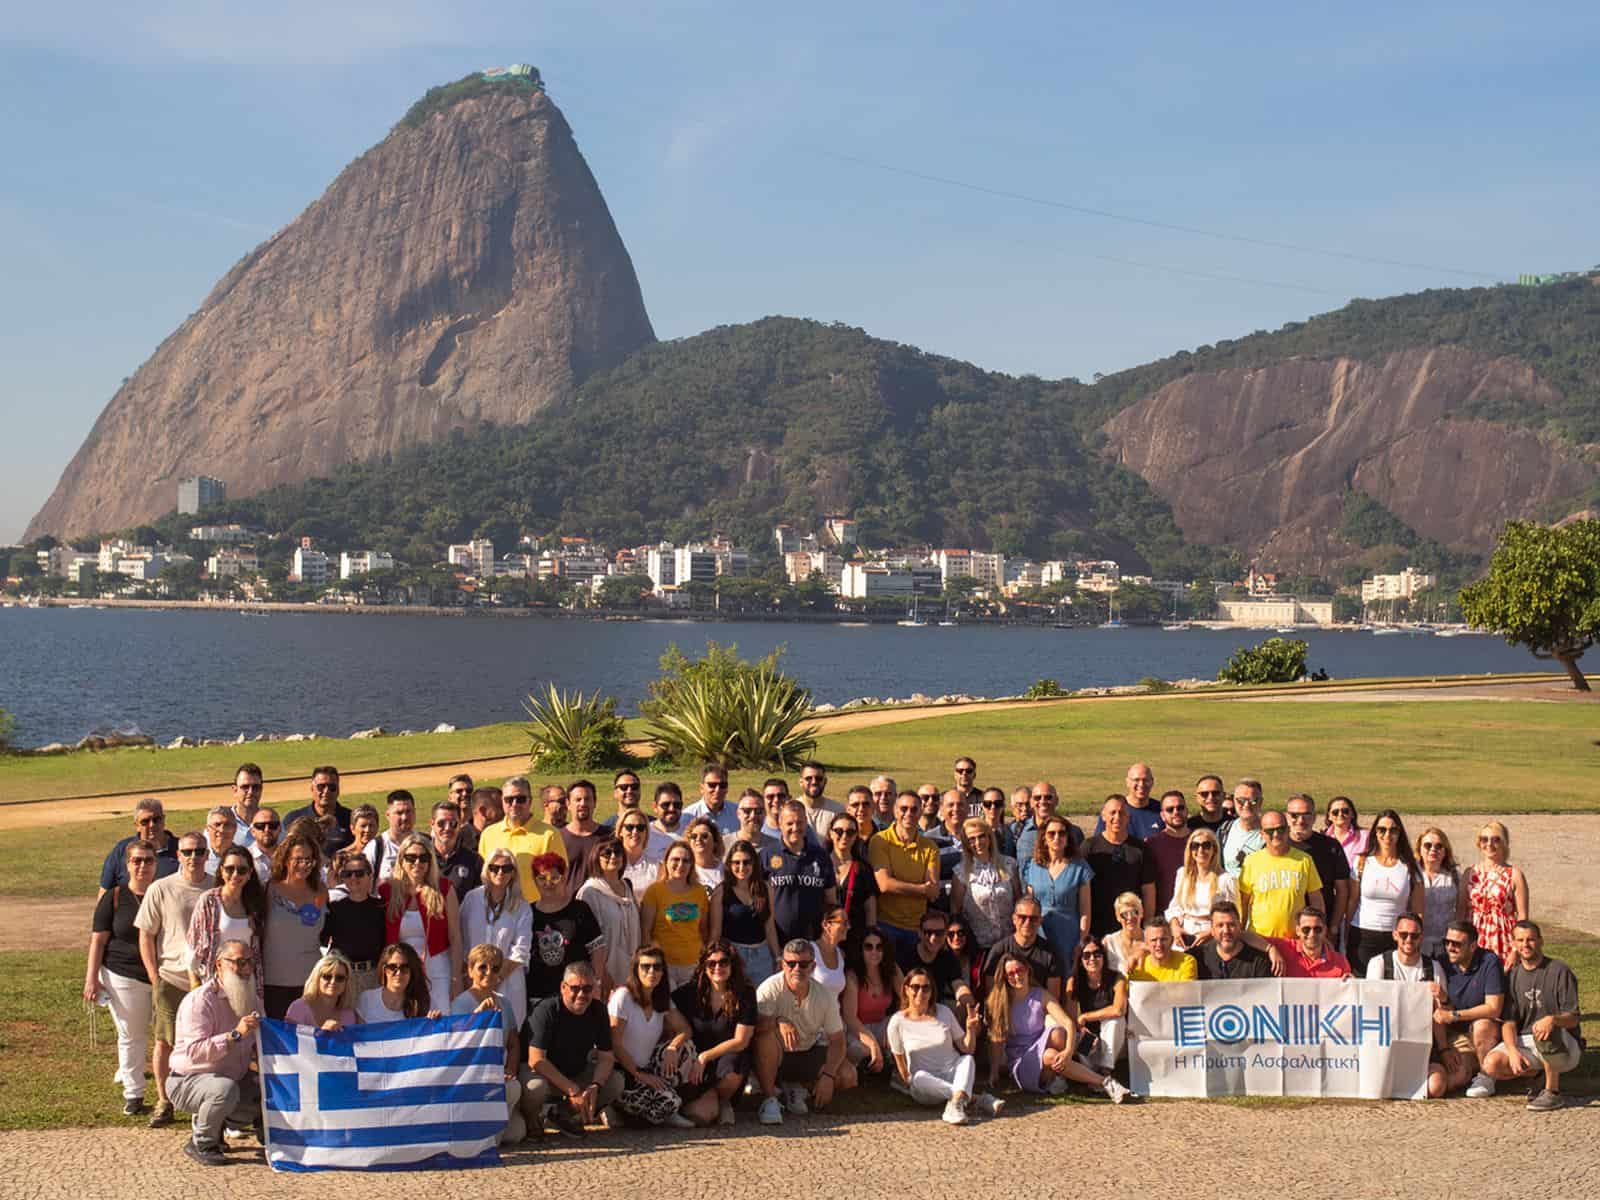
(758, 964)
(901, 941)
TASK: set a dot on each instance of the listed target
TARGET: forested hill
(743, 426)
(1555, 329)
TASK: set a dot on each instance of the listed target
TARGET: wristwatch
(233, 1035)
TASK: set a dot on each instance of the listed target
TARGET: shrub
(722, 709)
(1154, 683)
(575, 731)
(1276, 660)
(1043, 689)
(7, 725)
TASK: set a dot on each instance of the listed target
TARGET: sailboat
(912, 621)
(947, 623)
(1115, 622)
(1174, 625)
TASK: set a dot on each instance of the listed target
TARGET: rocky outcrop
(465, 270)
(1260, 459)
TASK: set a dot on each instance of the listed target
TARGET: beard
(241, 995)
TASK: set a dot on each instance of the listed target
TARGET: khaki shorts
(168, 997)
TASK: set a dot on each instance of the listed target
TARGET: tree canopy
(1542, 592)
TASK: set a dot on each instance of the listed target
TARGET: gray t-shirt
(1548, 989)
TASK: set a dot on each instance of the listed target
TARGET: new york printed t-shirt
(797, 883)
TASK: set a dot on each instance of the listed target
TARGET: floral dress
(1494, 908)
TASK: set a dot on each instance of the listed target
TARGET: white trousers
(1113, 1037)
(928, 1088)
(131, 1004)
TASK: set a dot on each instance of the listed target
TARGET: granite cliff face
(463, 270)
(1260, 459)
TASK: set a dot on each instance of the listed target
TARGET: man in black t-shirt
(800, 877)
(1026, 944)
(570, 1062)
(932, 953)
(1208, 797)
(457, 862)
(1117, 860)
(1227, 955)
(1333, 868)
(565, 931)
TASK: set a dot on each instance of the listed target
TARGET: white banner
(1280, 1037)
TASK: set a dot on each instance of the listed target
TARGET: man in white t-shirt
(799, 1038)
(1405, 962)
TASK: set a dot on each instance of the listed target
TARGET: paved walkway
(1409, 1151)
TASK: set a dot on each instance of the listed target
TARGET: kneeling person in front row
(1466, 1014)
(1539, 1033)
(570, 1064)
(211, 1075)
(799, 1038)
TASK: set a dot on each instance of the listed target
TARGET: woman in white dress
(1198, 884)
(609, 895)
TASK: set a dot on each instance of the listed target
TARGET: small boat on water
(1177, 627)
(912, 621)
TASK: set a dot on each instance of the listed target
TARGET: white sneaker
(794, 1099)
(955, 1112)
(1481, 1087)
(725, 1113)
(1115, 1090)
(989, 1106)
(611, 1118)
(771, 1112)
(678, 1121)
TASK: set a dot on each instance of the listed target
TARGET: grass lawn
(133, 769)
(55, 1077)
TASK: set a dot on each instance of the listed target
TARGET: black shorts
(803, 1066)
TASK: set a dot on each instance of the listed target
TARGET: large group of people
(774, 950)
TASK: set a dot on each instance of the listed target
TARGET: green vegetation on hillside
(743, 426)
(1550, 328)
(437, 99)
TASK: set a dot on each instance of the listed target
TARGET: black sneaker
(206, 1156)
(162, 1116)
(568, 1122)
(135, 1107)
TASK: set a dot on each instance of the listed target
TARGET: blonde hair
(1449, 861)
(513, 898)
(970, 828)
(1189, 875)
(486, 952)
(329, 960)
(1498, 827)
(1132, 900)
(429, 897)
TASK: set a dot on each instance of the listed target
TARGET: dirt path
(1101, 1148)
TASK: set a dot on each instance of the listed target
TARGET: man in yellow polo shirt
(1161, 963)
(522, 833)
(1277, 881)
(906, 866)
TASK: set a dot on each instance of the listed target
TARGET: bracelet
(825, 1075)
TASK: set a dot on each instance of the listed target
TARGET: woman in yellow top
(672, 913)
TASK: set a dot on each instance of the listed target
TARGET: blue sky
(760, 161)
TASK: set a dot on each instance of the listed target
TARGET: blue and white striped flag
(389, 1096)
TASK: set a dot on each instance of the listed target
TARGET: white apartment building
(228, 535)
(987, 569)
(310, 566)
(230, 564)
(476, 556)
(63, 562)
(1396, 587)
(800, 565)
(843, 530)
(1104, 575)
(360, 562)
(859, 581)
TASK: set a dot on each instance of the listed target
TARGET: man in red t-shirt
(1307, 955)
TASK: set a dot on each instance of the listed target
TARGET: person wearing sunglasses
(235, 910)
(752, 813)
(115, 974)
(297, 909)
(402, 994)
(985, 884)
(564, 929)
(486, 966)
(1117, 862)
(1061, 881)
(1389, 885)
(422, 911)
(524, 834)
(1209, 812)
(668, 802)
(1197, 885)
(968, 792)
(741, 912)
(1495, 892)
(265, 828)
(1338, 888)
(1097, 999)
(163, 924)
(1441, 888)
(1027, 919)
(328, 1001)
(933, 1053)
(705, 839)
(246, 800)
(497, 915)
(719, 1005)
(1240, 835)
(1405, 961)
(1468, 1007)
(858, 803)
(1344, 826)
(1307, 955)
(330, 819)
(1539, 1035)
(149, 827)
(799, 1039)
(651, 1040)
(1277, 881)
(906, 866)
(856, 883)
(570, 1078)
(713, 802)
(642, 855)
(992, 810)
(213, 1043)
(356, 927)
(458, 862)
(871, 992)
(800, 876)
(1034, 1037)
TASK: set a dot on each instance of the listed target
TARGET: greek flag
(392, 1096)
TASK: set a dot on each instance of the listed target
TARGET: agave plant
(577, 731)
(753, 722)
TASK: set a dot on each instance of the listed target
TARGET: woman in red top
(871, 994)
(421, 910)
(1494, 893)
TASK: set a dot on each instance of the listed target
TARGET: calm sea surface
(66, 672)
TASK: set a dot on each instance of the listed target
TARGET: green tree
(7, 726)
(625, 591)
(1542, 592)
(1276, 660)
